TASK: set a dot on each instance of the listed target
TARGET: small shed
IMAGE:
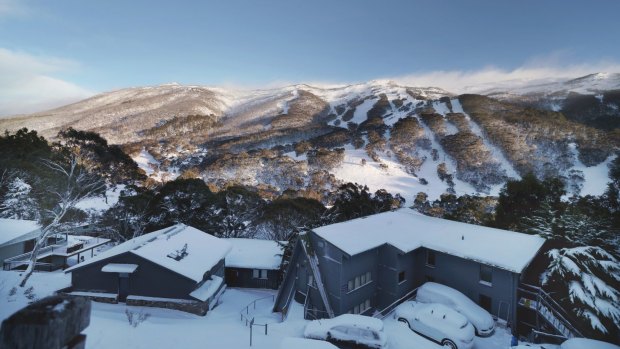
(179, 267)
(254, 263)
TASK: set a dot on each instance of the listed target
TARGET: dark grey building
(17, 237)
(254, 263)
(179, 267)
(368, 265)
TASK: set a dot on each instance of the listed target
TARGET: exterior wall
(242, 277)
(464, 275)
(12, 250)
(331, 261)
(150, 280)
(391, 263)
(356, 266)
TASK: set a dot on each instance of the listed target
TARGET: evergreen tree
(17, 203)
(586, 279)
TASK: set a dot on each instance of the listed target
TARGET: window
(401, 277)
(359, 281)
(259, 274)
(485, 302)
(362, 307)
(486, 275)
(430, 258)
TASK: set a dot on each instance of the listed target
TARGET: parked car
(432, 292)
(586, 343)
(437, 322)
(349, 328)
(303, 343)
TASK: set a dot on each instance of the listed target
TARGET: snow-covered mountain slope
(592, 99)
(312, 138)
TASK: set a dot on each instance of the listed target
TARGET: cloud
(12, 8)
(27, 83)
(535, 71)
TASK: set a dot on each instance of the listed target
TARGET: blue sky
(83, 47)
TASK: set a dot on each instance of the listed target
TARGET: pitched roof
(408, 230)
(254, 254)
(204, 251)
(15, 230)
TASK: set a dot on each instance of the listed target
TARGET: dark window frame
(484, 272)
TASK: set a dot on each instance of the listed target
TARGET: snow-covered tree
(235, 213)
(71, 184)
(589, 279)
(17, 202)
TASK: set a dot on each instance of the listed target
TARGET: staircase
(547, 310)
(314, 266)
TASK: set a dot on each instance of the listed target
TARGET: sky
(56, 52)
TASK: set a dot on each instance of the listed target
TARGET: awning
(119, 268)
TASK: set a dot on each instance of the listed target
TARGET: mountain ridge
(309, 138)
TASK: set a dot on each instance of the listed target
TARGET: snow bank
(408, 230)
(585, 343)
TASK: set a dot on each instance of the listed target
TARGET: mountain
(310, 139)
(592, 99)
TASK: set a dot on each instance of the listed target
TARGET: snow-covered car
(304, 343)
(349, 328)
(432, 292)
(437, 322)
(585, 343)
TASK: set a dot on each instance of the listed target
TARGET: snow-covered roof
(202, 253)
(254, 254)
(119, 268)
(11, 230)
(208, 288)
(408, 230)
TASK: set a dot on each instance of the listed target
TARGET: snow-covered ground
(220, 328)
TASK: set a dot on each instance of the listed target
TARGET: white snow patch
(208, 288)
(596, 177)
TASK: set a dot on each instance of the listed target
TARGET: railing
(42, 253)
(38, 266)
(287, 303)
(314, 266)
(382, 314)
(551, 311)
(245, 312)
